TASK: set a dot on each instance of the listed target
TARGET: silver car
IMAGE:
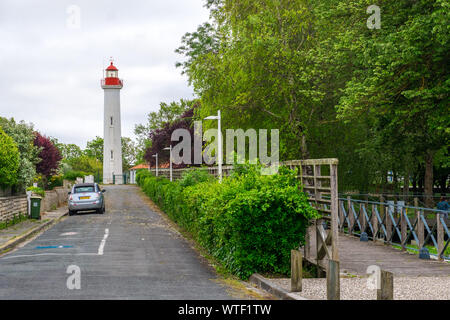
(86, 197)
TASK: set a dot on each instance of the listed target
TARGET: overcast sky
(50, 68)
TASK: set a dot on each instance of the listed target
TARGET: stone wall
(12, 206)
(54, 199)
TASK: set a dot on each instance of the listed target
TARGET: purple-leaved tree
(161, 139)
(49, 155)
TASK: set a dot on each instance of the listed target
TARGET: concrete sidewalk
(18, 233)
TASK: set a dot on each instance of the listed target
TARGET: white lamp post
(156, 156)
(219, 148)
(170, 160)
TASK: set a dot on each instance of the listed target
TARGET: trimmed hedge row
(249, 222)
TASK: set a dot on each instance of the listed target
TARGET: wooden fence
(319, 180)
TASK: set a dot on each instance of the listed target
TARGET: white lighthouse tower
(112, 135)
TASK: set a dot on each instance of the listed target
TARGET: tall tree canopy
(167, 113)
(377, 99)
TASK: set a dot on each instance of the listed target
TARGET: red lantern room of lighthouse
(112, 77)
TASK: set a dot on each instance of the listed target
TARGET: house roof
(140, 166)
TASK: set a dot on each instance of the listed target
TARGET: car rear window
(85, 189)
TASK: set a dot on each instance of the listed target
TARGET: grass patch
(431, 249)
(17, 219)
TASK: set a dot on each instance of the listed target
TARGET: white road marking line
(48, 254)
(68, 233)
(102, 244)
(64, 239)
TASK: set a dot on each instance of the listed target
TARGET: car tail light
(70, 198)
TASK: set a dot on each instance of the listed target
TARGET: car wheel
(71, 213)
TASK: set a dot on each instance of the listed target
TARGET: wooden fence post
(386, 286)
(307, 249)
(317, 222)
(334, 212)
(333, 281)
(296, 271)
(341, 217)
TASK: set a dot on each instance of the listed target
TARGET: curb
(273, 289)
(13, 243)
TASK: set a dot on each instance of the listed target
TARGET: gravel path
(405, 288)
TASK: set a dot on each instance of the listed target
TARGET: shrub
(73, 175)
(249, 222)
(37, 190)
(55, 181)
(141, 175)
(194, 176)
(9, 160)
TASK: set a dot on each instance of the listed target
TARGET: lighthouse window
(111, 120)
(112, 154)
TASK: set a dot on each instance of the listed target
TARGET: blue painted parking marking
(53, 247)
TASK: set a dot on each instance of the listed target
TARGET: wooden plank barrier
(296, 271)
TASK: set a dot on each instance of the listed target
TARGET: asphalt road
(130, 252)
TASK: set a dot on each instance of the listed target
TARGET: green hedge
(249, 222)
(73, 175)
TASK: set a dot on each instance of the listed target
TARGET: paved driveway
(128, 253)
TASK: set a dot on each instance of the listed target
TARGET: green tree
(9, 160)
(400, 78)
(23, 135)
(94, 148)
(259, 65)
(85, 164)
(167, 112)
(129, 153)
(375, 98)
(68, 151)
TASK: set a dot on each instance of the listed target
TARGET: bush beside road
(249, 222)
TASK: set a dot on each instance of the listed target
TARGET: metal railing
(408, 227)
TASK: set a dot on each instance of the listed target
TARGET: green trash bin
(36, 207)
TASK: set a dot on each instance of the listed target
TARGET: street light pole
(219, 141)
(156, 156)
(220, 145)
(170, 160)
